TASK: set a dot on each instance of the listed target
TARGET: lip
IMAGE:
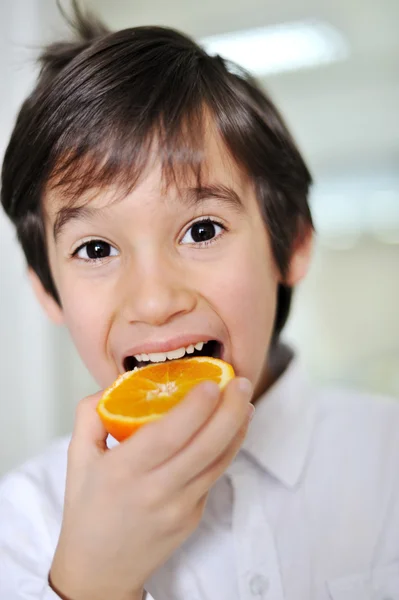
(180, 341)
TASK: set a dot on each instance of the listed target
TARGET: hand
(129, 508)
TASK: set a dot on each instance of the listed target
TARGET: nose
(156, 292)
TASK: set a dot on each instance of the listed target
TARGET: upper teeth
(162, 356)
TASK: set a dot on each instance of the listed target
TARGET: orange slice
(145, 395)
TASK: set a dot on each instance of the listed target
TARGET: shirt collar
(280, 433)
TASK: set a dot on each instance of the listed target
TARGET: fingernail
(245, 386)
(251, 411)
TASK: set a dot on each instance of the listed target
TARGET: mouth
(211, 348)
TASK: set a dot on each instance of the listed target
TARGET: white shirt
(308, 510)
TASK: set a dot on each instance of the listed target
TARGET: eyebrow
(201, 193)
(190, 197)
(70, 213)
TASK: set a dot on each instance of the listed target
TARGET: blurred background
(332, 67)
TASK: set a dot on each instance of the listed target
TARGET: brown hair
(100, 101)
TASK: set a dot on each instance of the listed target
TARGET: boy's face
(166, 270)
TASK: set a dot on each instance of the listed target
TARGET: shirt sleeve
(29, 529)
(30, 521)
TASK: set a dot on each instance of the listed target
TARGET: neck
(277, 360)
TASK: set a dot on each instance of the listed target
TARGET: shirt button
(259, 585)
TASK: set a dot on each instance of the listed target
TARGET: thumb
(89, 434)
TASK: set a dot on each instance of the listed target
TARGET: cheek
(88, 318)
(82, 313)
(245, 299)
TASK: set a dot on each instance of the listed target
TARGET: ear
(49, 305)
(301, 256)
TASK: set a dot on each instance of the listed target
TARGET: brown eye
(96, 250)
(202, 231)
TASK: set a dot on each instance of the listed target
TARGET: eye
(202, 232)
(95, 250)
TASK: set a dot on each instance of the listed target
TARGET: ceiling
(345, 115)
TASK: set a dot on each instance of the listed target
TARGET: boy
(161, 202)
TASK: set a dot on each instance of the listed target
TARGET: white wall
(28, 411)
(345, 318)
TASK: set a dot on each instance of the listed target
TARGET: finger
(157, 442)
(201, 483)
(89, 434)
(213, 439)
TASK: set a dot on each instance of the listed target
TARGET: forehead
(177, 178)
